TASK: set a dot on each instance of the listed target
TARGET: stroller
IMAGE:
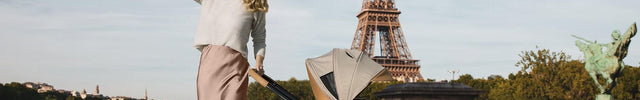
(338, 75)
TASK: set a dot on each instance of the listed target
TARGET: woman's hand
(258, 66)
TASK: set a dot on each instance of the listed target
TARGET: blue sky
(126, 46)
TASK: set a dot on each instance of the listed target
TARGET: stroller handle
(267, 82)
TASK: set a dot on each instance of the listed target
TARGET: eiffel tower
(381, 17)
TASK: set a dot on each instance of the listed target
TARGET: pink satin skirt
(222, 74)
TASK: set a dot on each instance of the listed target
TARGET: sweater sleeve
(258, 33)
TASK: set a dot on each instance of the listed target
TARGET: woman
(222, 35)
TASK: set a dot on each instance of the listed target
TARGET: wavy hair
(256, 5)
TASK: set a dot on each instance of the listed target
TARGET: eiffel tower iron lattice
(381, 17)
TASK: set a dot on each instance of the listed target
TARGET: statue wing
(622, 45)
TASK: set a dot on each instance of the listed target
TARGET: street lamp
(453, 74)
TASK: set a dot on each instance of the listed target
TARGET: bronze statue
(609, 63)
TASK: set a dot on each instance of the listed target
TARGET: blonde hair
(256, 5)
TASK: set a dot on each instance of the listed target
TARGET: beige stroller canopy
(341, 74)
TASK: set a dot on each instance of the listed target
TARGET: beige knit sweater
(227, 23)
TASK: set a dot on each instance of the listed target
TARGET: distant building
(145, 94)
(67, 92)
(97, 90)
(40, 87)
(31, 85)
(428, 91)
(44, 87)
(83, 94)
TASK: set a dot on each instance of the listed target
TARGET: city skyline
(44, 88)
(126, 45)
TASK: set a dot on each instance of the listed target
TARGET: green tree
(627, 87)
(54, 95)
(483, 84)
(72, 98)
(298, 88)
(546, 75)
(302, 90)
(17, 91)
